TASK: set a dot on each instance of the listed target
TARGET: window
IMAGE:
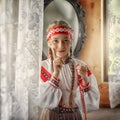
(111, 43)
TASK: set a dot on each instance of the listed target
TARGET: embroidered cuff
(54, 82)
(85, 88)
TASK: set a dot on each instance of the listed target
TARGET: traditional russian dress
(55, 92)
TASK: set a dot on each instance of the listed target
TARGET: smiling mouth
(61, 51)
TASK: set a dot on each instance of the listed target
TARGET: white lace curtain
(21, 30)
(113, 13)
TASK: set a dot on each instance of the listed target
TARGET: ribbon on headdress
(60, 30)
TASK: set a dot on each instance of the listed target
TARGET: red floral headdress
(60, 30)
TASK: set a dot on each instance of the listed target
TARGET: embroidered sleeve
(86, 87)
(89, 92)
(54, 82)
(46, 76)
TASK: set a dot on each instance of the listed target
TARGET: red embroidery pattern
(83, 103)
(45, 75)
(59, 29)
(83, 89)
(88, 71)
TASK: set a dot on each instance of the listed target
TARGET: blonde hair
(56, 23)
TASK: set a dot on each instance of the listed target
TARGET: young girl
(68, 88)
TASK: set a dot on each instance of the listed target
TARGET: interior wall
(91, 52)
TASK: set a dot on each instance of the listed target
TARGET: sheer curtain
(114, 52)
(21, 33)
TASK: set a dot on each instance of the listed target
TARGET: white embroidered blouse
(51, 91)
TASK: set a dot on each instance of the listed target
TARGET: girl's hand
(82, 71)
(57, 64)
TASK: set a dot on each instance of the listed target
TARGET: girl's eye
(66, 40)
(55, 41)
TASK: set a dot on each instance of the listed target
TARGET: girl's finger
(78, 66)
(54, 54)
(62, 61)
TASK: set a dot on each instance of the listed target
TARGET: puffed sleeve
(92, 96)
(89, 91)
(50, 93)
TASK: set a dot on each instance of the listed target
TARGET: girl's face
(60, 45)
